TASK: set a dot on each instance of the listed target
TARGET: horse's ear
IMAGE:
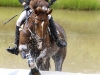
(49, 11)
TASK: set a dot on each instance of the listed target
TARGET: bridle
(40, 19)
(34, 36)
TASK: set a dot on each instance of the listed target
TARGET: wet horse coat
(37, 42)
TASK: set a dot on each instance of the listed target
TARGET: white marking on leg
(30, 60)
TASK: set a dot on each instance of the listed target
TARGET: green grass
(12, 3)
(78, 4)
(62, 4)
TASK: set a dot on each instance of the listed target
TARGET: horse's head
(41, 10)
(41, 24)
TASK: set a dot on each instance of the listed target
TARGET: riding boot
(14, 50)
(59, 42)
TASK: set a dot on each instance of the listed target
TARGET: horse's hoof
(34, 71)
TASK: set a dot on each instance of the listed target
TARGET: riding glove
(26, 7)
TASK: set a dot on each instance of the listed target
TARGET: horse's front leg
(22, 50)
(32, 65)
(45, 53)
(42, 55)
(25, 54)
(34, 71)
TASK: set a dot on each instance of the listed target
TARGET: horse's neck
(31, 19)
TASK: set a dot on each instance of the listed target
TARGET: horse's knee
(22, 47)
(23, 50)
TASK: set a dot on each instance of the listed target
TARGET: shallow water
(83, 37)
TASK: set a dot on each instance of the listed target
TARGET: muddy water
(83, 37)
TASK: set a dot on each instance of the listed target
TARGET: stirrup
(13, 50)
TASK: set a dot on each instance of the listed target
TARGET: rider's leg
(14, 50)
(20, 20)
(53, 29)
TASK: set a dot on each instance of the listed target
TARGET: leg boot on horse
(59, 42)
(14, 50)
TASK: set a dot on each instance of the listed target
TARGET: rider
(22, 17)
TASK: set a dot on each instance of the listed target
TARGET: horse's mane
(38, 3)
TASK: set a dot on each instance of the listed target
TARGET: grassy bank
(63, 4)
(12, 3)
(78, 4)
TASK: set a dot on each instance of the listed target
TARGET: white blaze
(42, 23)
(42, 26)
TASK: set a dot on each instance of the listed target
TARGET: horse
(37, 44)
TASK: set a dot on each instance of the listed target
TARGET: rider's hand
(26, 7)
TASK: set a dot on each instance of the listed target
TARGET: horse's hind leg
(59, 58)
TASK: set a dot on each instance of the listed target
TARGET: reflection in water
(82, 29)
